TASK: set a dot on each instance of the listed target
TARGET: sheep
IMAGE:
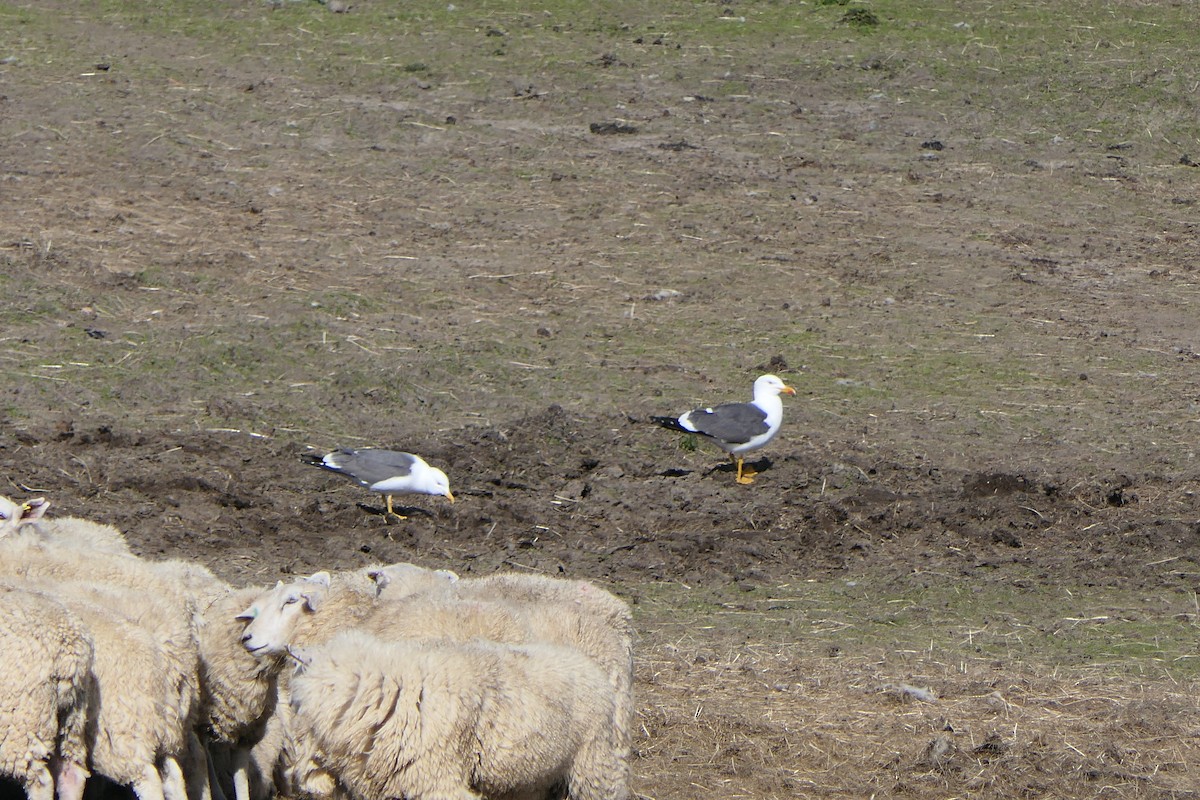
(284, 617)
(396, 581)
(553, 602)
(239, 692)
(287, 616)
(440, 719)
(13, 516)
(306, 611)
(46, 657)
(171, 622)
(180, 588)
(29, 518)
(160, 597)
(32, 557)
(140, 735)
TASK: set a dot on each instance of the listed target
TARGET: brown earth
(229, 203)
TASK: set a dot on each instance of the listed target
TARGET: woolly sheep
(366, 580)
(442, 719)
(309, 610)
(554, 605)
(63, 531)
(142, 736)
(174, 616)
(400, 580)
(46, 656)
(172, 625)
(151, 595)
(239, 692)
(298, 772)
(287, 616)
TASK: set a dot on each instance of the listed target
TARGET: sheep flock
(393, 682)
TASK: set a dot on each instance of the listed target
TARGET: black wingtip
(314, 460)
(670, 423)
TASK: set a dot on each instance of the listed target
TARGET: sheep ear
(248, 615)
(320, 577)
(278, 584)
(380, 578)
(312, 600)
(34, 510)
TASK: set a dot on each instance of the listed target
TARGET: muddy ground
(216, 261)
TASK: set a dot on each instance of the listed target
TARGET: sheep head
(406, 579)
(272, 618)
(14, 515)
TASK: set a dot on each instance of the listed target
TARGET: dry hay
(777, 722)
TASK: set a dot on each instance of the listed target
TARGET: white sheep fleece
(404, 579)
(310, 610)
(46, 656)
(144, 604)
(238, 691)
(143, 735)
(434, 720)
(28, 519)
(571, 612)
(397, 581)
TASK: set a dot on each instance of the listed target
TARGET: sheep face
(273, 616)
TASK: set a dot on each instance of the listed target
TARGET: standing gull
(738, 428)
(386, 471)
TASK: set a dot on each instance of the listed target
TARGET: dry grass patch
(769, 721)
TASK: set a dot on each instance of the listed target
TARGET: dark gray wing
(369, 466)
(736, 423)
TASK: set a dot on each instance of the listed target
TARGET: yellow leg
(745, 475)
(392, 513)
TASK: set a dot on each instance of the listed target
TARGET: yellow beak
(788, 390)
(449, 496)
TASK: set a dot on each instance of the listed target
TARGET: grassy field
(964, 231)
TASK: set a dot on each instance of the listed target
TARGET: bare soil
(227, 203)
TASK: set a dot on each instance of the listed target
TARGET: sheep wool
(308, 611)
(46, 656)
(402, 579)
(143, 735)
(442, 719)
(29, 520)
(570, 612)
(238, 691)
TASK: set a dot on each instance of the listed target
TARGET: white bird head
(434, 481)
(771, 386)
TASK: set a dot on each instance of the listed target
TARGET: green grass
(1090, 72)
(1049, 628)
(1100, 72)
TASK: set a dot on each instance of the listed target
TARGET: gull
(737, 428)
(389, 472)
